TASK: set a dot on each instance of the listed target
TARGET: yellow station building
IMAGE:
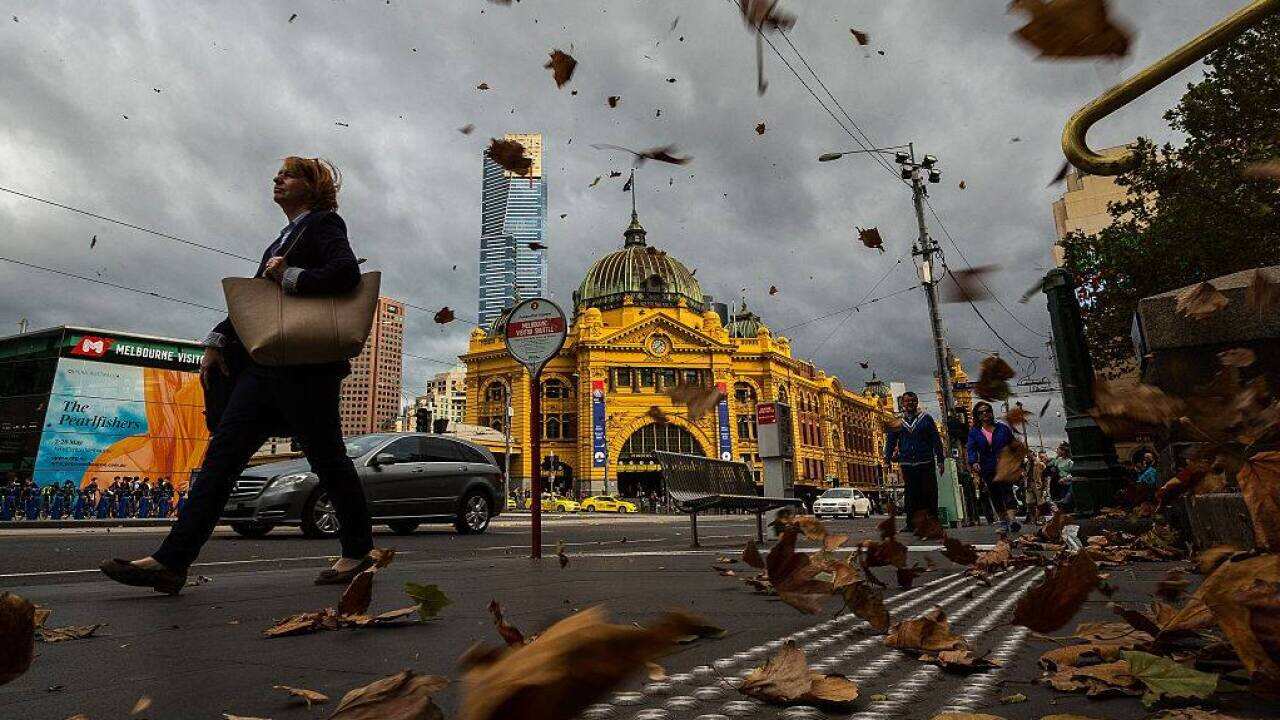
(642, 327)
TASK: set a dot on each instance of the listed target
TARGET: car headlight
(285, 482)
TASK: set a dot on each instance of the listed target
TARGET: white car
(842, 501)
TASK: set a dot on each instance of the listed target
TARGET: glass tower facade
(513, 215)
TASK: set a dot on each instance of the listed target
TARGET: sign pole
(534, 333)
(535, 457)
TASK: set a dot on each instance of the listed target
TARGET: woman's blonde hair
(321, 177)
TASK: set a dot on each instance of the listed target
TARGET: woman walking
(260, 401)
(987, 439)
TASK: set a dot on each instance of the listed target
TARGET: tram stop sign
(535, 332)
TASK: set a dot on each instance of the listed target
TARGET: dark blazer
(320, 262)
(917, 441)
(987, 455)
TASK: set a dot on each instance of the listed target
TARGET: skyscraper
(513, 215)
(371, 393)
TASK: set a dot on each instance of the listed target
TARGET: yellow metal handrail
(1114, 162)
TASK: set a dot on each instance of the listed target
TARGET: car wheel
(403, 527)
(473, 515)
(319, 517)
(251, 530)
(622, 510)
(589, 509)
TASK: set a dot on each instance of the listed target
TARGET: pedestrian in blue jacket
(987, 438)
(917, 448)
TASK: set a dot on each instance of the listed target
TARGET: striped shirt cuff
(215, 339)
(289, 281)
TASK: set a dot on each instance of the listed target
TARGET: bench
(696, 484)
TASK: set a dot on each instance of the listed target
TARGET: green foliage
(429, 598)
(1166, 678)
(1189, 214)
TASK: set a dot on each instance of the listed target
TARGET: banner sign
(599, 448)
(722, 412)
(131, 351)
(105, 419)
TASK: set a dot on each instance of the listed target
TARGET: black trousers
(921, 485)
(1001, 494)
(262, 400)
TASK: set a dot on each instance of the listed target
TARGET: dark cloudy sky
(216, 93)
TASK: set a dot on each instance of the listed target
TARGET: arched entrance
(638, 474)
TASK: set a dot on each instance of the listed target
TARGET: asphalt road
(201, 654)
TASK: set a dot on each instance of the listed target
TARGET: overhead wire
(111, 284)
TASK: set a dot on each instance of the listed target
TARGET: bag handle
(302, 231)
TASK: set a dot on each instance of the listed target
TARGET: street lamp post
(506, 457)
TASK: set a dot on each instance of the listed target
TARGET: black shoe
(1015, 526)
(329, 576)
(162, 580)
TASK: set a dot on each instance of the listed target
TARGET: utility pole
(925, 247)
(506, 457)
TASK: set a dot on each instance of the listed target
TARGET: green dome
(647, 275)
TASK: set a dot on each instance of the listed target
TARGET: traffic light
(422, 420)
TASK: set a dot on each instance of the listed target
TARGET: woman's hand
(275, 269)
(212, 360)
(975, 468)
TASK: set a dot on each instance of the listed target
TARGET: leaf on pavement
(1075, 655)
(884, 552)
(751, 555)
(310, 696)
(561, 66)
(959, 552)
(509, 154)
(785, 679)
(1262, 600)
(1262, 294)
(1107, 679)
(1201, 301)
(930, 633)
(570, 666)
(965, 716)
(391, 617)
(927, 527)
(1221, 592)
(429, 598)
(382, 557)
(907, 576)
(299, 624)
(1172, 585)
(1071, 28)
(141, 705)
(1259, 481)
(68, 632)
(959, 661)
(1166, 678)
(359, 593)
(867, 602)
(403, 696)
(1051, 603)
(17, 636)
(993, 379)
(997, 558)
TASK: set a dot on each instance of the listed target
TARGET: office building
(1083, 207)
(513, 217)
(447, 395)
(371, 393)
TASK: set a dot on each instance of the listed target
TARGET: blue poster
(722, 410)
(599, 451)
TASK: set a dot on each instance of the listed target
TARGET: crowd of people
(125, 497)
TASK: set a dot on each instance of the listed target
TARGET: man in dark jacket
(917, 448)
(251, 402)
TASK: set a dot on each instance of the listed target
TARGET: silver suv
(408, 479)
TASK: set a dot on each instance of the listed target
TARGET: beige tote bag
(277, 328)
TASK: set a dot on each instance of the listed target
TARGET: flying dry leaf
(661, 154)
(570, 666)
(482, 86)
(1267, 170)
(1071, 28)
(535, 246)
(510, 634)
(967, 285)
(467, 129)
(997, 558)
(751, 555)
(785, 679)
(1009, 463)
(403, 696)
(1259, 482)
(613, 101)
(773, 289)
(562, 66)
(699, 399)
(867, 602)
(1262, 600)
(1134, 409)
(509, 154)
(1237, 357)
(310, 696)
(760, 128)
(1221, 593)
(925, 526)
(930, 632)
(1051, 603)
(1262, 294)
(1201, 301)
(1017, 415)
(993, 378)
(871, 238)
(658, 415)
(959, 552)
(883, 553)
(141, 705)
(861, 37)
(359, 593)
(907, 576)
(17, 636)
(444, 316)
(765, 15)
(382, 557)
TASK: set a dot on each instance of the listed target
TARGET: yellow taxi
(608, 503)
(551, 503)
(511, 503)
